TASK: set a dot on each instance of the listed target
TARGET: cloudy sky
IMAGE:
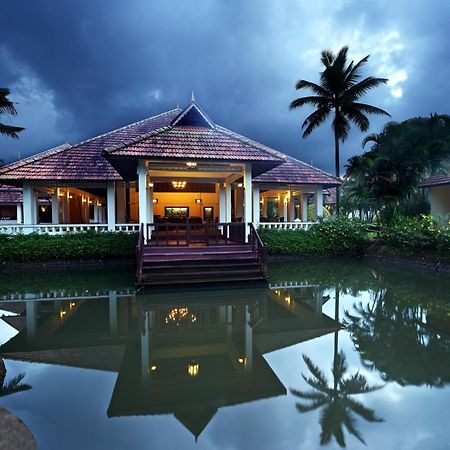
(79, 68)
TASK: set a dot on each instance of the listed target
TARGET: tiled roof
(436, 180)
(293, 171)
(329, 196)
(195, 143)
(84, 161)
(10, 194)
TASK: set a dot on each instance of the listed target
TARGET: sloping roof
(192, 135)
(293, 171)
(84, 161)
(10, 195)
(195, 143)
(329, 196)
(436, 180)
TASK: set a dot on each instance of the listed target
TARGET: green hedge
(412, 235)
(336, 237)
(76, 246)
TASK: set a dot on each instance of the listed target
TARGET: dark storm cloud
(79, 68)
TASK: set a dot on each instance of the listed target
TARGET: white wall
(440, 200)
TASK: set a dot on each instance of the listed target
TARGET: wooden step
(190, 266)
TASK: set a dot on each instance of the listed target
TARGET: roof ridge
(36, 157)
(253, 143)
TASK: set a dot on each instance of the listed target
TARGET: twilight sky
(82, 67)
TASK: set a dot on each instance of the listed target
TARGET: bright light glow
(153, 367)
(179, 184)
(193, 368)
(191, 164)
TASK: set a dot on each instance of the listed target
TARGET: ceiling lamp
(179, 184)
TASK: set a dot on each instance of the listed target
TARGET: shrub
(79, 246)
(415, 234)
(328, 238)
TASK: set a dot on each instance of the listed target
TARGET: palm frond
(10, 131)
(14, 385)
(350, 425)
(359, 89)
(309, 100)
(6, 105)
(369, 109)
(339, 366)
(311, 407)
(317, 89)
(315, 119)
(308, 395)
(362, 411)
(353, 74)
(374, 137)
(357, 384)
(341, 126)
(357, 117)
(327, 58)
(316, 372)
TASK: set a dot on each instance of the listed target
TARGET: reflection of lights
(62, 313)
(277, 292)
(288, 299)
(241, 360)
(83, 200)
(193, 368)
(191, 164)
(178, 315)
(153, 367)
(70, 196)
(72, 304)
(90, 202)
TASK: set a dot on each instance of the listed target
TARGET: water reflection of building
(188, 355)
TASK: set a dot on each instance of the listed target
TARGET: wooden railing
(63, 228)
(184, 234)
(139, 254)
(258, 248)
(287, 225)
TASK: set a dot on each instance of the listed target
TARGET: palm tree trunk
(336, 335)
(2, 372)
(338, 169)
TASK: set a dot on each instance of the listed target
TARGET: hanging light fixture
(193, 368)
(179, 184)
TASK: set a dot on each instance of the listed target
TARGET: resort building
(439, 194)
(176, 167)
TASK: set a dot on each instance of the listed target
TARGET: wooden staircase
(196, 264)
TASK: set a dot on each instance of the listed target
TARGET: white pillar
(145, 346)
(110, 204)
(256, 206)
(121, 203)
(248, 339)
(222, 203)
(28, 208)
(145, 197)
(318, 202)
(96, 212)
(291, 208)
(248, 191)
(55, 212)
(285, 207)
(304, 207)
(19, 212)
(31, 318)
(228, 202)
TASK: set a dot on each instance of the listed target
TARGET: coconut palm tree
(7, 107)
(338, 406)
(338, 94)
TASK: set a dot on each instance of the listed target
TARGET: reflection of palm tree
(338, 405)
(12, 386)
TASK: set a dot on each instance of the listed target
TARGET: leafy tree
(402, 155)
(7, 107)
(338, 94)
(338, 405)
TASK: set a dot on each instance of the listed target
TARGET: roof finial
(193, 97)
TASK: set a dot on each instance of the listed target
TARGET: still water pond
(339, 352)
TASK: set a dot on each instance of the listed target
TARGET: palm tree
(338, 93)
(339, 408)
(7, 107)
(12, 386)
